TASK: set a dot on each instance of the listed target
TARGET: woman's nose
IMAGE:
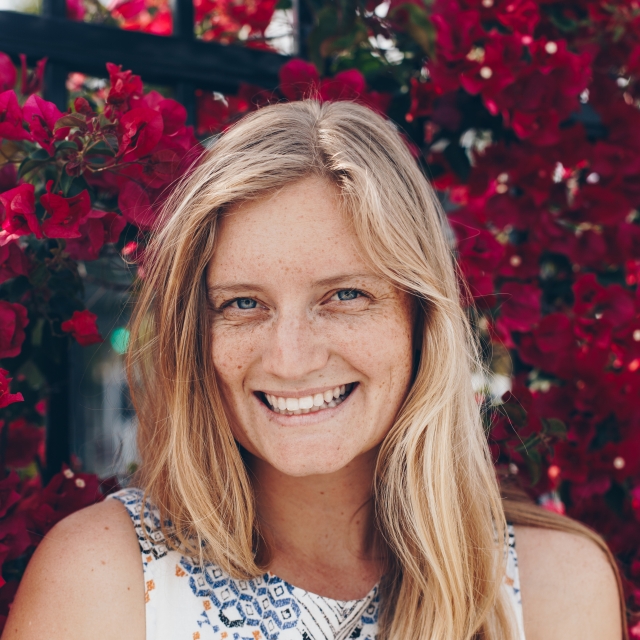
(294, 347)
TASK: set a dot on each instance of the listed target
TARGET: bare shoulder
(86, 569)
(569, 589)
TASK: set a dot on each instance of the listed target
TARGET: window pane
(22, 6)
(262, 24)
(149, 16)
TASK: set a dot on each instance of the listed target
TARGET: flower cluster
(72, 185)
(527, 117)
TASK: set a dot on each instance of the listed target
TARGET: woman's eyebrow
(241, 287)
(336, 280)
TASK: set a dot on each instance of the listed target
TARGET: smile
(308, 404)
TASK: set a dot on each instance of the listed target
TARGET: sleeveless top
(185, 601)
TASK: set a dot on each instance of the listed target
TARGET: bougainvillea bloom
(7, 73)
(13, 262)
(98, 229)
(19, 213)
(66, 214)
(41, 117)
(11, 117)
(140, 131)
(24, 442)
(7, 398)
(82, 326)
(13, 320)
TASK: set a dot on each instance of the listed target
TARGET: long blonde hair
(437, 502)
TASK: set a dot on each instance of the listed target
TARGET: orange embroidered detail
(256, 635)
(196, 635)
(180, 571)
(224, 635)
(509, 581)
(149, 558)
(146, 596)
(207, 605)
(151, 585)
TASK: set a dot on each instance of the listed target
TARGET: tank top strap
(512, 581)
(146, 523)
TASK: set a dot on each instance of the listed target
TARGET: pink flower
(11, 118)
(24, 442)
(140, 131)
(521, 307)
(13, 320)
(41, 116)
(82, 326)
(19, 214)
(7, 73)
(75, 10)
(7, 398)
(13, 262)
(135, 205)
(67, 214)
(298, 79)
(125, 86)
(31, 81)
(98, 229)
(8, 492)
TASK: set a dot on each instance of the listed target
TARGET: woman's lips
(310, 403)
(271, 403)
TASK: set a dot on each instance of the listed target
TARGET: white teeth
(308, 404)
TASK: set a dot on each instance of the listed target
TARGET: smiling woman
(314, 463)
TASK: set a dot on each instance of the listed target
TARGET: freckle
(322, 493)
(102, 562)
(239, 366)
(106, 528)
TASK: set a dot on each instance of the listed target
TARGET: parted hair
(438, 506)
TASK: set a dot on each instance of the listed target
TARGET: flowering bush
(526, 117)
(69, 184)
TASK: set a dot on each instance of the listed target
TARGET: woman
(301, 368)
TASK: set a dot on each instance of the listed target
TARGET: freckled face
(312, 348)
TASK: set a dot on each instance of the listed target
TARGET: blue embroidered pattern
(187, 601)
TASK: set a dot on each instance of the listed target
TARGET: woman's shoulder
(569, 588)
(86, 569)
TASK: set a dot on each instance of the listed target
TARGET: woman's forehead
(301, 229)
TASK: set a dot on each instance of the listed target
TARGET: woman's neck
(319, 529)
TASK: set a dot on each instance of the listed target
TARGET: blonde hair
(437, 500)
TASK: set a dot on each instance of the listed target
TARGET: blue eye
(347, 294)
(246, 303)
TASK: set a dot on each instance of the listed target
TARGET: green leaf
(555, 427)
(36, 332)
(30, 371)
(65, 182)
(71, 120)
(66, 144)
(27, 166)
(39, 276)
(40, 154)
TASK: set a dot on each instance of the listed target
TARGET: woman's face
(312, 349)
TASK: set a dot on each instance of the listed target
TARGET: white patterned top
(187, 602)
